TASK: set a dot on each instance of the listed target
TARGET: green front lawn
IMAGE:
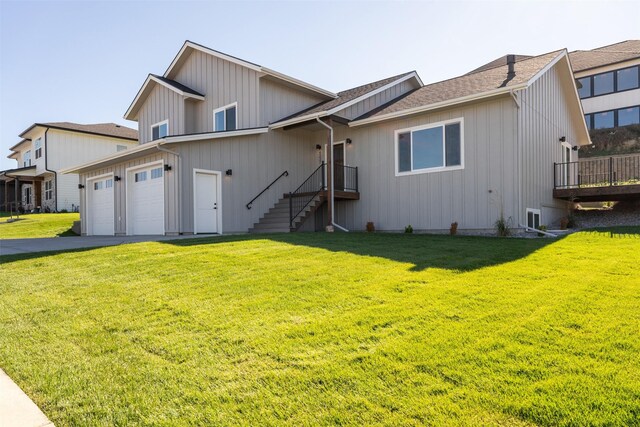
(38, 225)
(321, 329)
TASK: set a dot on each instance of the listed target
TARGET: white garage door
(100, 207)
(145, 194)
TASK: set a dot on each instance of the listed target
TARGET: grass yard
(38, 225)
(330, 329)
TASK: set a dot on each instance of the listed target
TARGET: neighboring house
(44, 150)
(231, 146)
(609, 84)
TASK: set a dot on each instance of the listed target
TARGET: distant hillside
(607, 142)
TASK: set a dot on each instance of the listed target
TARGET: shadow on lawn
(462, 253)
(617, 232)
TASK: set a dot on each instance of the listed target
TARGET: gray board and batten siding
(544, 118)
(472, 196)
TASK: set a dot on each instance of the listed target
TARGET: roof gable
(111, 130)
(190, 46)
(466, 88)
(347, 98)
(151, 81)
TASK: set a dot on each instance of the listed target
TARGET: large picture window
(225, 118)
(429, 148)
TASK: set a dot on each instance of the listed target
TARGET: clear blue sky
(85, 61)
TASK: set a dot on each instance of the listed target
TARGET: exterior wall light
(229, 172)
(563, 138)
(575, 148)
(117, 178)
(80, 186)
(318, 147)
(167, 168)
(349, 141)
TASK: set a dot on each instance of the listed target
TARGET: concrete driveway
(24, 246)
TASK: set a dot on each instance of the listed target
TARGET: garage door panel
(100, 218)
(146, 201)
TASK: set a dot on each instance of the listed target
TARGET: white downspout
(178, 183)
(331, 188)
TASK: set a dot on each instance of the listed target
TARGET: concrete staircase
(277, 219)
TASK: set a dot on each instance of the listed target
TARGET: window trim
(526, 218)
(165, 121)
(37, 146)
(48, 192)
(615, 82)
(225, 108)
(26, 156)
(442, 124)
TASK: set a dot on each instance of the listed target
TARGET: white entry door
(145, 187)
(206, 204)
(100, 207)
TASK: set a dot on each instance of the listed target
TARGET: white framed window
(38, 147)
(48, 190)
(430, 148)
(533, 218)
(225, 118)
(156, 173)
(120, 147)
(26, 158)
(98, 185)
(160, 130)
(108, 183)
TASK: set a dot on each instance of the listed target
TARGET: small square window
(627, 78)
(108, 183)
(156, 173)
(602, 83)
(140, 176)
(533, 218)
(98, 185)
(159, 130)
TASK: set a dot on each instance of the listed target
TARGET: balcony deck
(600, 179)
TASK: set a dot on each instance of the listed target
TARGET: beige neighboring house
(47, 148)
(609, 84)
(227, 145)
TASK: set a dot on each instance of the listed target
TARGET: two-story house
(609, 84)
(47, 148)
(229, 145)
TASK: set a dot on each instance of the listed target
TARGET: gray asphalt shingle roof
(177, 85)
(468, 84)
(586, 59)
(346, 96)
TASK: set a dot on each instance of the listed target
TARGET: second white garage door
(145, 197)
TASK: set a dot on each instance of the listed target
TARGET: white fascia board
(576, 96)
(372, 93)
(298, 82)
(249, 65)
(212, 135)
(298, 120)
(191, 45)
(425, 108)
(123, 153)
(547, 67)
(137, 98)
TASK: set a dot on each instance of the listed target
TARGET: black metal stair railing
(250, 204)
(300, 198)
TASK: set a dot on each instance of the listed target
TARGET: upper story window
(38, 147)
(26, 159)
(429, 148)
(120, 147)
(225, 118)
(609, 82)
(159, 130)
